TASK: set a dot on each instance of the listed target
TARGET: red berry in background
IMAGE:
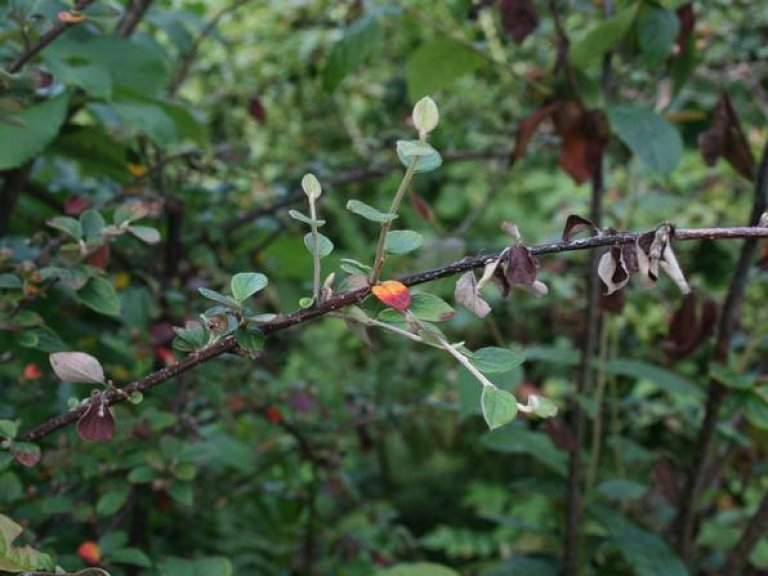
(90, 552)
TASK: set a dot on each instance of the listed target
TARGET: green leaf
(128, 64)
(18, 144)
(296, 215)
(21, 558)
(756, 410)
(100, 295)
(227, 301)
(369, 212)
(418, 569)
(213, 566)
(250, 341)
(141, 475)
(657, 30)
(129, 212)
(622, 489)
(130, 556)
(495, 360)
(355, 267)
(403, 241)
(69, 226)
(92, 77)
(437, 64)
(182, 493)
(499, 407)
(664, 379)
(603, 37)
(112, 501)
(9, 281)
(430, 308)
(655, 141)
(8, 428)
(646, 553)
(516, 440)
(93, 223)
(426, 158)
(359, 42)
(246, 284)
(543, 407)
(145, 234)
(324, 245)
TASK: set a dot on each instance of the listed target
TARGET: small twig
(378, 261)
(685, 522)
(44, 40)
(131, 17)
(340, 301)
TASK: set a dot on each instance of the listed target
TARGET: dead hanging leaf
(97, 424)
(687, 331)
(516, 266)
(422, 208)
(671, 266)
(611, 271)
(467, 293)
(726, 138)
(527, 129)
(584, 137)
(519, 18)
(576, 224)
(520, 266)
(654, 250)
(256, 110)
(687, 20)
(612, 303)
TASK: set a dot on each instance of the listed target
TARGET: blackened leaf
(527, 128)
(97, 423)
(467, 294)
(519, 18)
(575, 224)
(726, 138)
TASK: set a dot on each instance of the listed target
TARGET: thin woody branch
(716, 393)
(57, 30)
(340, 301)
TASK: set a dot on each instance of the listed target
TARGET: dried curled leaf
(611, 271)
(575, 224)
(467, 293)
(654, 250)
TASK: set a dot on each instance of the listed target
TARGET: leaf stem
(315, 252)
(378, 261)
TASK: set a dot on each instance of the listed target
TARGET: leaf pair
(97, 424)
